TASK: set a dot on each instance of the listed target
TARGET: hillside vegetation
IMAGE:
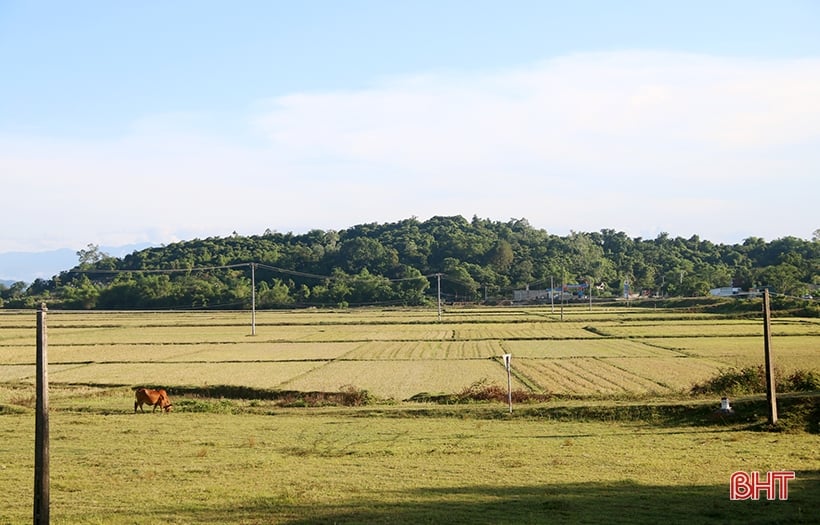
(401, 263)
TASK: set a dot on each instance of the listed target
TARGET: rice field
(397, 353)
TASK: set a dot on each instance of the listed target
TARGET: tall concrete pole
(771, 396)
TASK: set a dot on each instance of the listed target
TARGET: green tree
(338, 288)
(80, 293)
(460, 284)
(276, 294)
(362, 253)
(785, 278)
(409, 286)
(91, 255)
(366, 288)
(501, 256)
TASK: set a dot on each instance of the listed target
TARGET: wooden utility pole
(41, 474)
(771, 399)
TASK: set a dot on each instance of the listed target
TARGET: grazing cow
(157, 398)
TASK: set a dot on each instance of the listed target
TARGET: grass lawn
(393, 464)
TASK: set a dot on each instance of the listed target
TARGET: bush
(752, 380)
(801, 381)
(481, 391)
(734, 381)
(353, 397)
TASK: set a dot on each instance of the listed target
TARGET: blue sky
(152, 122)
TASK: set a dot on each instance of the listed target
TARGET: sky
(154, 122)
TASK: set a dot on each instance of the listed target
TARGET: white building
(726, 291)
(524, 296)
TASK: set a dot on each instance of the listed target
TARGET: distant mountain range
(28, 266)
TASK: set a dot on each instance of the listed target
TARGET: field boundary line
(630, 372)
(588, 375)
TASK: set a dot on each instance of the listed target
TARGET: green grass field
(621, 441)
(393, 465)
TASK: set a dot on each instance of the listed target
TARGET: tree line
(403, 263)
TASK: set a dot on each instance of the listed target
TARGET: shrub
(752, 380)
(353, 397)
(481, 390)
(734, 381)
(801, 381)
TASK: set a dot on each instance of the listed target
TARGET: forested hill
(399, 263)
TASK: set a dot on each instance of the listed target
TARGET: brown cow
(157, 398)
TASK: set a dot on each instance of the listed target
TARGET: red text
(748, 485)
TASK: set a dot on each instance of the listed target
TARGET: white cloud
(635, 141)
(600, 117)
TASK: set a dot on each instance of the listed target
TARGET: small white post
(507, 359)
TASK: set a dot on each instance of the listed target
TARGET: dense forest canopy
(403, 262)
